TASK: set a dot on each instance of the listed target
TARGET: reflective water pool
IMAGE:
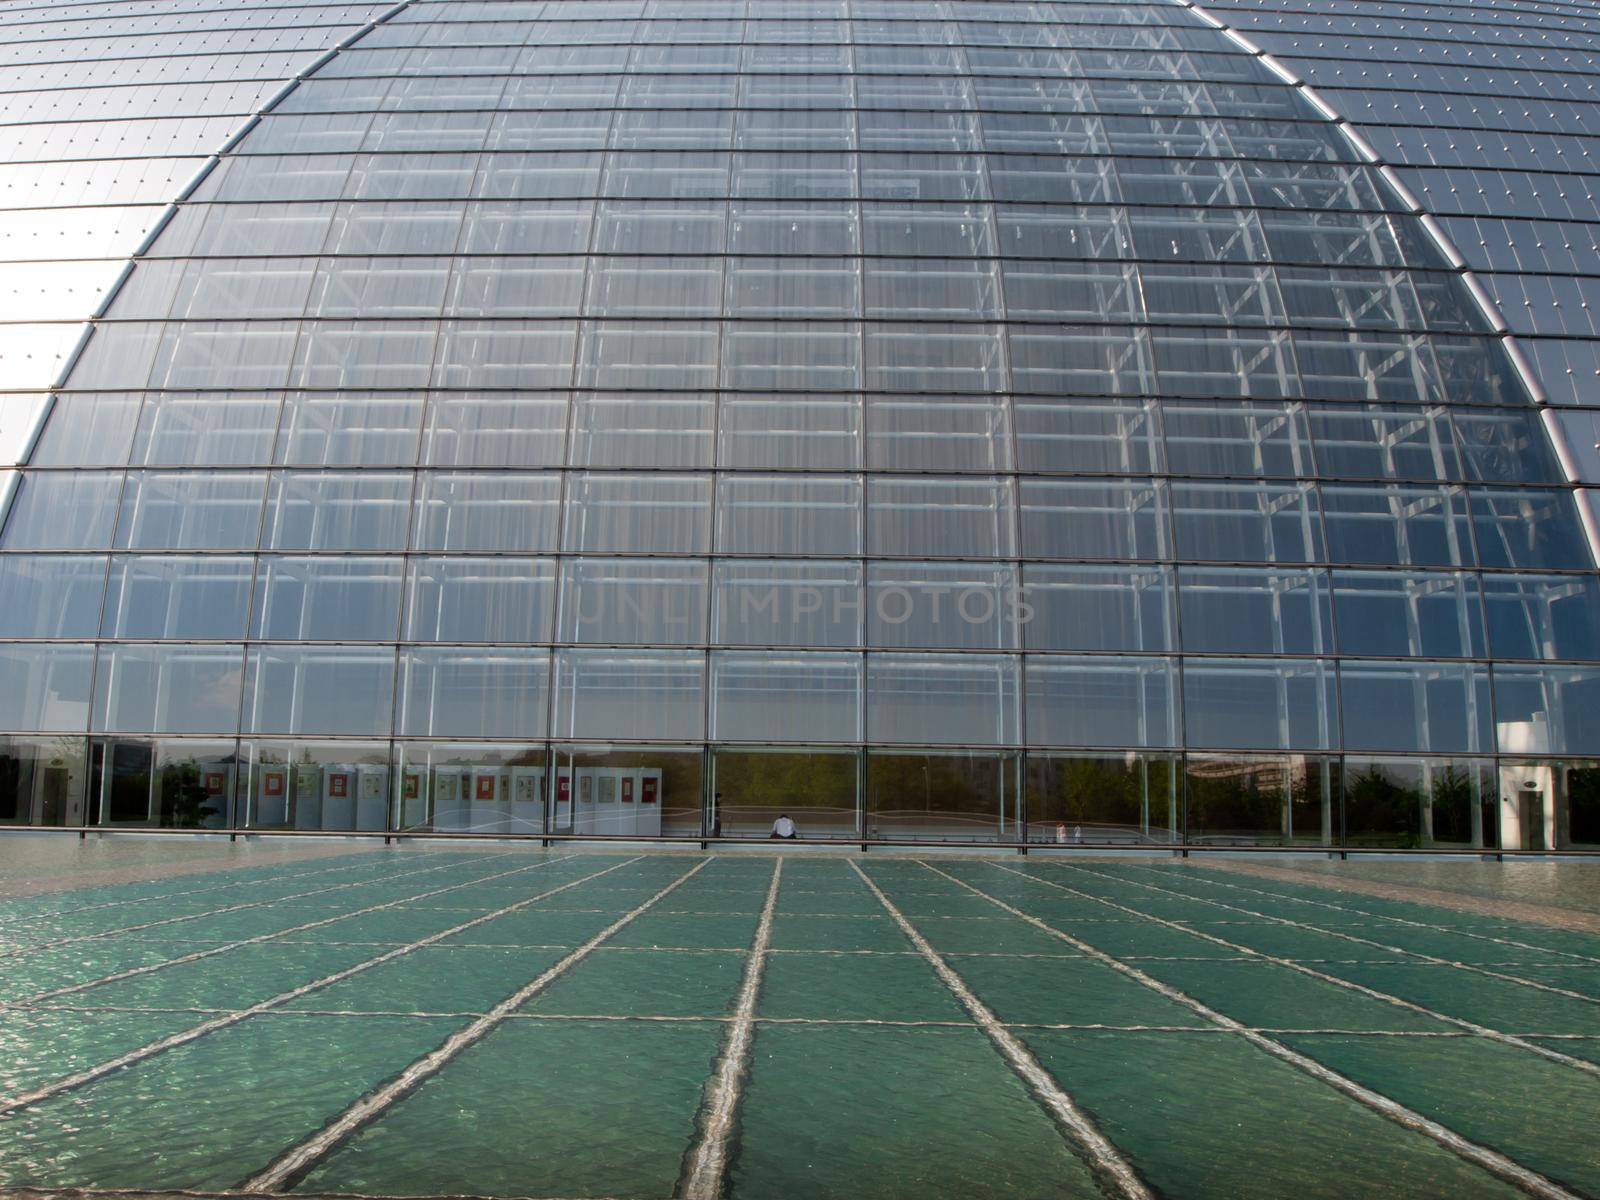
(494, 1021)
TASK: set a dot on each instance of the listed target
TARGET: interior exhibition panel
(931, 420)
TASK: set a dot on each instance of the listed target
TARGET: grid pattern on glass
(1009, 375)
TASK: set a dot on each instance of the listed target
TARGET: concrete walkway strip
(213, 951)
(293, 1164)
(7, 923)
(1349, 985)
(1378, 916)
(1104, 1159)
(1402, 951)
(50, 876)
(1494, 908)
(1497, 1164)
(11, 1104)
(707, 1160)
(216, 912)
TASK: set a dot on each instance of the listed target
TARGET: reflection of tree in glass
(1236, 800)
(184, 803)
(1100, 796)
(1453, 798)
(1583, 806)
(1378, 808)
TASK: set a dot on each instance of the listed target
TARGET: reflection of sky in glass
(104, 120)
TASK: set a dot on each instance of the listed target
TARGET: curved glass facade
(935, 420)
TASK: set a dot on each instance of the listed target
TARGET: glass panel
(815, 789)
(341, 599)
(1102, 701)
(1421, 707)
(496, 429)
(205, 429)
(1395, 614)
(950, 797)
(162, 511)
(787, 515)
(1111, 437)
(62, 510)
(1371, 441)
(950, 699)
(1244, 611)
(1237, 439)
(638, 514)
(926, 358)
(1217, 522)
(937, 433)
(633, 602)
(955, 518)
(50, 596)
(655, 430)
(1399, 526)
(1083, 519)
(465, 693)
(1415, 803)
(1097, 608)
(167, 689)
(1256, 704)
(344, 429)
(1580, 783)
(87, 429)
(319, 511)
(762, 603)
(626, 791)
(633, 696)
(1548, 804)
(451, 787)
(647, 355)
(41, 781)
(166, 784)
(318, 690)
(1542, 616)
(954, 606)
(1082, 799)
(506, 512)
(1507, 445)
(1258, 801)
(1547, 710)
(45, 688)
(812, 356)
(177, 597)
(316, 785)
(480, 600)
(777, 432)
(1528, 528)
(785, 697)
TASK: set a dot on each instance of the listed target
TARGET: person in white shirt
(783, 827)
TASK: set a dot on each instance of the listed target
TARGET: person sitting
(783, 827)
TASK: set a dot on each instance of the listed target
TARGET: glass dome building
(935, 420)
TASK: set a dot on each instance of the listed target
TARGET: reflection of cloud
(223, 690)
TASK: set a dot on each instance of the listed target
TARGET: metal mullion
(408, 555)
(1012, 478)
(863, 473)
(273, 474)
(562, 556)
